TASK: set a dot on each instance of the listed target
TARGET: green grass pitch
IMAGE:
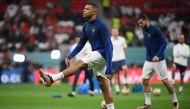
(28, 96)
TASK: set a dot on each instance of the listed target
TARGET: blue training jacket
(155, 43)
(97, 33)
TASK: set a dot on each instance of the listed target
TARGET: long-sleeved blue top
(96, 32)
(155, 43)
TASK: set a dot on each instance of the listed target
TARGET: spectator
(11, 10)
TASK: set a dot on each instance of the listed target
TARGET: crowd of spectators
(26, 28)
(23, 27)
(173, 19)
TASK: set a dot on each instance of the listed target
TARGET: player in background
(155, 44)
(96, 32)
(118, 60)
(88, 73)
(181, 53)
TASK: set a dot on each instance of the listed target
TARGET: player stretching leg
(96, 32)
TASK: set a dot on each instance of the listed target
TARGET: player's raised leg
(66, 73)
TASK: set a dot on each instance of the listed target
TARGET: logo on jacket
(93, 30)
(148, 35)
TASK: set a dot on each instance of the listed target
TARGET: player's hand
(67, 61)
(155, 59)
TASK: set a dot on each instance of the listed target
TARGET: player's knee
(173, 69)
(145, 82)
(101, 85)
(165, 81)
(99, 81)
(125, 68)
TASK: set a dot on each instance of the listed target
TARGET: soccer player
(118, 60)
(96, 32)
(181, 53)
(88, 73)
(155, 61)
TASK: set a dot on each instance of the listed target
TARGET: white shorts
(96, 62)
(150, 68)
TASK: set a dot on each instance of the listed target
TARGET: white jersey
(85, 50)
(119, 44)
(181, 52)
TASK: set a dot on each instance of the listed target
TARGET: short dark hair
(94, 5)
(144, 17)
